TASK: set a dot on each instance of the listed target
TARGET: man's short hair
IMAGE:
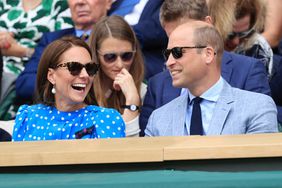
(173, 10)
(209, 36)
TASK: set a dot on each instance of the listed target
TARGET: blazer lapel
(179, 114)
(221, 111)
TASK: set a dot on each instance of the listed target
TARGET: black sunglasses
(241, 35)
(112, 57)
(76, 67)
(177, 52)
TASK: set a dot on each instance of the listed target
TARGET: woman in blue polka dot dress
(65, 108)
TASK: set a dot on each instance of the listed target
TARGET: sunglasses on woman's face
(112, 57)
(177, 52)
(76, 67)
(241, 35)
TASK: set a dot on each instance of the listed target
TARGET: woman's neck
(69, 107)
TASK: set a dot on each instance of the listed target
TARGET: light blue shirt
(210, 97)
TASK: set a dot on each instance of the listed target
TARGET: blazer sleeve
(264, 119)
(25, 83)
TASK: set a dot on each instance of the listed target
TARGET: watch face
(133, 107)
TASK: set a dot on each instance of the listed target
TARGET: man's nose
(170, 61)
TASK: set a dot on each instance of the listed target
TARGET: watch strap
(131, 107)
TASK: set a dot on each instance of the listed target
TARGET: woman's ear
(51, 76)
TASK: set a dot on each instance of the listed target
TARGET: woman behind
(22, 24)
(119, 82)
(245, 38)
(64, 107)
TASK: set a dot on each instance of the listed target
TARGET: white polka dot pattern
(40, 122)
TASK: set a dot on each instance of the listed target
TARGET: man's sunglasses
(76, 67)
(177, 52)
(241, 35)
(112, 57)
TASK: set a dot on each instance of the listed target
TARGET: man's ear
(209, 54)
(209, 20)
(51, 76)
(109, 4)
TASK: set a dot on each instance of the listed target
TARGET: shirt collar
(212, 94)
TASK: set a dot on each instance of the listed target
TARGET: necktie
(124, 7)
(196, 127)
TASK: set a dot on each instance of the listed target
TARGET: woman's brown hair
(118, 28)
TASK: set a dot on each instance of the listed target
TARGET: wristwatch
(131, 107)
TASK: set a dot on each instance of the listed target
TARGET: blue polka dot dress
(41, 122)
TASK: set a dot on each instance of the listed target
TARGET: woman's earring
(53, 90)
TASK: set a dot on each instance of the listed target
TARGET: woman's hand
(10, 47)
(124, 82)
(6, 39)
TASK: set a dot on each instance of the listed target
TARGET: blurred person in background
(273, 24)
(245, 38)
(22, 24)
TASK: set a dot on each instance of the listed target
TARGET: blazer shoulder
(250, 97)
(236, 94)
(59, 33)
(247, 61)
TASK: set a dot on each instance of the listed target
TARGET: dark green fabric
(154, 179)
(279, 127)
(8, 106)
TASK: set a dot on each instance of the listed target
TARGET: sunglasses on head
(112, 57)
(177, 52)
(76, 67)
(241, 35)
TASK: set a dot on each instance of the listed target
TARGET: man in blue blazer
(239, 71)
(249, 75)
(194, 63)
(84, 15)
